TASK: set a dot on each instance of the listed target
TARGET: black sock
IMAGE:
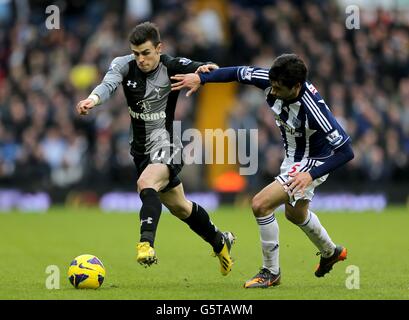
(150, 214)
(199, 222)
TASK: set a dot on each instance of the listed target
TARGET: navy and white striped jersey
(308, 127)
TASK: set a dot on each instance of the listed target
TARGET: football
(86, 272)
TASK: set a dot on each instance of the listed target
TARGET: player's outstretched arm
(112, 79)
(205, 73)
(246, 75)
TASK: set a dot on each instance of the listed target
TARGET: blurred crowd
(362, 74)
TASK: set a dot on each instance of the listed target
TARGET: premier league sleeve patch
(334, 138)
(245, 73)
(185, 61)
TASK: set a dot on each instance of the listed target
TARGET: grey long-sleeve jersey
(151, 103)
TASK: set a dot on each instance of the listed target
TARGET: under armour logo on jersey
(130, 83)
(148, 221)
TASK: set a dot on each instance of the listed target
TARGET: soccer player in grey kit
(145, 78)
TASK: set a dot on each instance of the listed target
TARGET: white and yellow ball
(86, 272)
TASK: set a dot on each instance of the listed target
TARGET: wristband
(94, 98)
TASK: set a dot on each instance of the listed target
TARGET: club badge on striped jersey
(296, 123)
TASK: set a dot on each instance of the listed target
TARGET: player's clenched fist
(84, 106)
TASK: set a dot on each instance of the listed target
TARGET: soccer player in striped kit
(315, 145)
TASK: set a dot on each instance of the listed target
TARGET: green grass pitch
(378, 244)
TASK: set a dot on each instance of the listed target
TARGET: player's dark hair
(144, 32)
(288, 69)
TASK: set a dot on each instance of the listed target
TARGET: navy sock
(150, 214)
(199, 221)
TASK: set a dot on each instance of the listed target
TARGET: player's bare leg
(268, 199)
(199, 221)
(154, 178)
(176, 202)
(310, 224)
(263, 206)
(297, 214)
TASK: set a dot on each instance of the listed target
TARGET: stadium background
(46, 149)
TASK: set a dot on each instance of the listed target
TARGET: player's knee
(258, 206)
(144, 183)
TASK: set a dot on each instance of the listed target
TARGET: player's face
(147, 56)
(280, 91)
